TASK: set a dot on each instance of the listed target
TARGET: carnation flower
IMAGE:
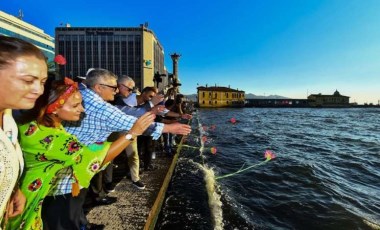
(213, 150)
(269, 155)
(60, 60)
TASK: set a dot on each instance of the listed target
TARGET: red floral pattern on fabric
(41, 157)
(32, 128)
(35, 185)
(71, 145)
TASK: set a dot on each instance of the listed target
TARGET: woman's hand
(121, 143)
(17, 204)
(142, 124)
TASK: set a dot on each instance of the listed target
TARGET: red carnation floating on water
(269, 155)
(213, 150)
(60, 60)
(233, 120)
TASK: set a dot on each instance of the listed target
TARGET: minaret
(20, 14)
(175, 57)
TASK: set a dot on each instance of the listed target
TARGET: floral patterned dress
(46, 151)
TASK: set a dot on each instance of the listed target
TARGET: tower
(175, 57)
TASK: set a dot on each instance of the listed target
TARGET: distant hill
(253, 96)
(193, 97)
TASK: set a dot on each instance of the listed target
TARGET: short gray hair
(124, 79)
(96, 75)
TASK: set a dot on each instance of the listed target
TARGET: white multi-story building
(15, 27)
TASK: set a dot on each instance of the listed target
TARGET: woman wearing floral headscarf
(48, 148)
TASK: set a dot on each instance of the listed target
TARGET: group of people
(59, 146)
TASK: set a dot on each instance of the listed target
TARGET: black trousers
(144, 146)
(96, 183)
(64, 212)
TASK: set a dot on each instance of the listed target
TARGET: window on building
(110, 54)
(123, 53)
(82, 56)
(96, 50)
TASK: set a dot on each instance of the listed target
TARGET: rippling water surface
(326, 174)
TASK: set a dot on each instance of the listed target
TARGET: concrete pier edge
(156, 208)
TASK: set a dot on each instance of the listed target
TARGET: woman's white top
(11, 160)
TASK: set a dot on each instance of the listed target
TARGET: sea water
(326, 174)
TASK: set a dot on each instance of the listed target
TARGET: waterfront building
(132, 51)
(334, 100)
(277, 102)
(15, 27)
(217, 96)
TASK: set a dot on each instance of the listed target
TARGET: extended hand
(142, 123)
(158, 109)
(157, 99)
(186, 116)
(177, 128)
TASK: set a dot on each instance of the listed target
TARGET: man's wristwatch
(129, 137)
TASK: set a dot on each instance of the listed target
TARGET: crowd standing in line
(101, 119)
(135, 104)
(64, 145)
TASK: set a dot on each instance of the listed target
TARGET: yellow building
(216, 97)
(15, 27)
(335, 100)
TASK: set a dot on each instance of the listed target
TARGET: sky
(291, 48)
